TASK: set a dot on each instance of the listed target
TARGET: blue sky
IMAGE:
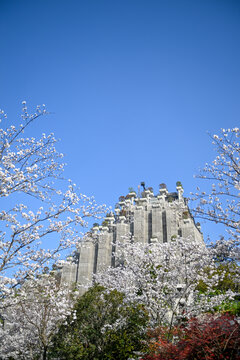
(133, 86)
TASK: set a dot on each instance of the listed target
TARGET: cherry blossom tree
(166, 278)
(221, 204)
(38, 218)
(32, 317)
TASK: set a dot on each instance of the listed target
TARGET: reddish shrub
(161, 346)
(210, 338)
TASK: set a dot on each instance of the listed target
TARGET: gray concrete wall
(152, 218)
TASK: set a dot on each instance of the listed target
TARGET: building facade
(145, 218)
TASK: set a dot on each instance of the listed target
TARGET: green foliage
(131, 189)
(228, 281)
(178, 183)
(101, 327)
(105, 223)
(227, 274)
(231, 307)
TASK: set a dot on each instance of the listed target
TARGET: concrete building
(145, 217)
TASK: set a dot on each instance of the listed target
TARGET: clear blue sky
(133, 86)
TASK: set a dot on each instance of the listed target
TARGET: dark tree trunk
(45, 353)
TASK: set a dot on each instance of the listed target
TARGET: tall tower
(146, 218)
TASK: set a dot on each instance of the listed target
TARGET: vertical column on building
(69, 272)
(169, 223)
(146, 214)
(172, 223)
(139, 224)
(122, 229)
(87, 252)
(121, 234)
(157, 223)
(187, 228)
(105, 240)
